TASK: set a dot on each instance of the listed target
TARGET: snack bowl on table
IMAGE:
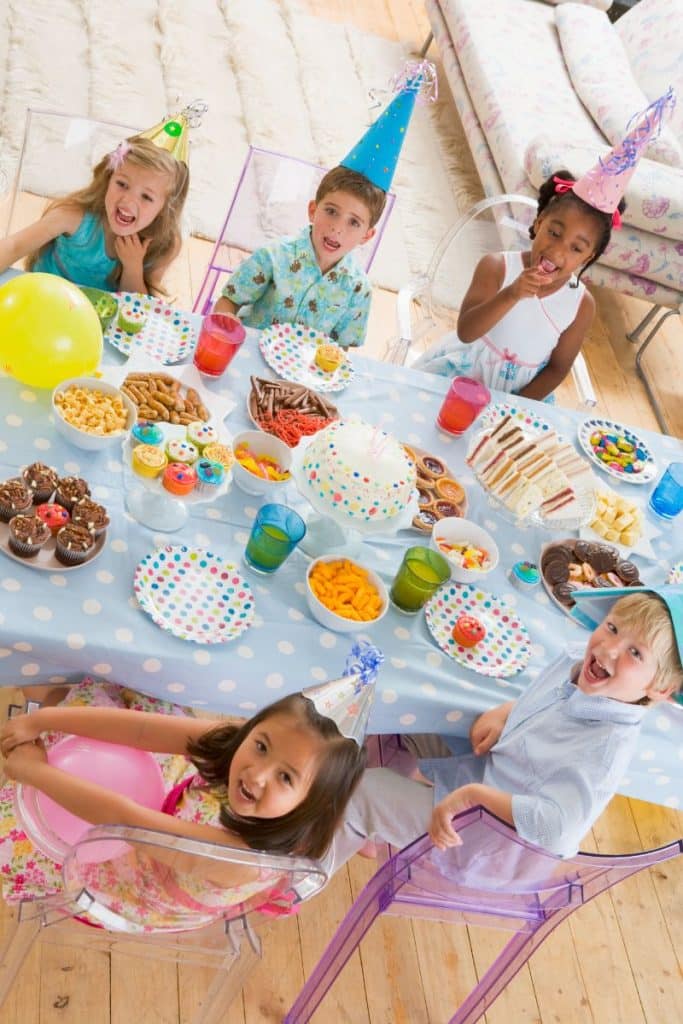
(104, 303)
(265, 447)
(448, 537)
(326, 570)
(85, 391)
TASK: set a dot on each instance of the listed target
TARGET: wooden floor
(616, 961)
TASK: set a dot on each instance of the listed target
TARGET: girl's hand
(21, 729)
(528, 284)
(441, 832)
(22, 758)
(131, 250)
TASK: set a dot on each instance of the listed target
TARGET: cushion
(654, 198)
(602, 77)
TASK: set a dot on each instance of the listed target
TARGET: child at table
(313, 279)
(278, 782)
(122, 231)
(525, 315)
(549, 762)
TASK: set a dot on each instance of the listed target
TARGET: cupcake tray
(167, 335)
(154, 484)
(46, 558)
(427, 486)
(595, 554)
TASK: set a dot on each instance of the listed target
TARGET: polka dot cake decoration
(194, 594)
(506, 647)
(164, 333)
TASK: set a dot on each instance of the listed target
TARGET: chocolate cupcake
(74, 544)
(27, 534)
(41, 480)
(15, 497)
(71, 489)
(91, 515)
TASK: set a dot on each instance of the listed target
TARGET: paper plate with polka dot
(166, 334)
(520, 415)
(194, 594)
(289, 349)
(505, 650)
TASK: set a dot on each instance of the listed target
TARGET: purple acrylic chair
(270, 201)
(496, 879)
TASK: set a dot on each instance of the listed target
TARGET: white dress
(517, 348)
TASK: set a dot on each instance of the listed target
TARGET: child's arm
(486, 729)
(62, 220)
(225, 305)
(486, 303)
(564, 353)
(167, 734)
(248, 283)
(441, 831)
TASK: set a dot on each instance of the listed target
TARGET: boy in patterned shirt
(313, 279)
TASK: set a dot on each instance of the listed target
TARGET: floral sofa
(546, 85)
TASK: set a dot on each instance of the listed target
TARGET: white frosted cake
(358, 470)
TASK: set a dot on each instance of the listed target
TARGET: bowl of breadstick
(90, 413)
(161, 398)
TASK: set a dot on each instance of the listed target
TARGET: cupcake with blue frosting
(210, 476)
(147, 432)
(525, 576)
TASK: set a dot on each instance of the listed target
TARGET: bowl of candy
(343, 595)
(470, 551)
(262, 462)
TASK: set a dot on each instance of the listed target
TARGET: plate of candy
(617, 450)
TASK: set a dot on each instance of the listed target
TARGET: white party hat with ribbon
(348, 700)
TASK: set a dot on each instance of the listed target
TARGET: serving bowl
(452, 531)
(334, 620)
(260, 444)
(81, 436)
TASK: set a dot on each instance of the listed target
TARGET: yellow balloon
(49, 331)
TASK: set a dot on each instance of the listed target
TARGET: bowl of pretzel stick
(90, 413)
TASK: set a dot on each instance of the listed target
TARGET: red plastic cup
(464, 401)
(220, 338)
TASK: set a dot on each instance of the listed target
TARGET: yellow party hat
(172, 134)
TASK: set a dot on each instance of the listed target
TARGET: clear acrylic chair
(428, 307)
(163, 897)
(270, 201)
(494, 879)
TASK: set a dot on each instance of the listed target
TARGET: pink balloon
(124, 770)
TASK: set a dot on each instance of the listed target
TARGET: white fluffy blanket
(273, 76)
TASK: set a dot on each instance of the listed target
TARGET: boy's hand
(131, 250)
(441, 832)
(21, 729)
(22, 758)
(485, 731)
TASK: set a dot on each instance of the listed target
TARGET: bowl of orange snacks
(470, 551)
(262, 462)
(344, 596)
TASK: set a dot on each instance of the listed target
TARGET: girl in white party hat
(525, 315)
(123, 229)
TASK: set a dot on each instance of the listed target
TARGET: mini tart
(15, 497)
(448, 488)
(71, 489)
(468, 631)
(53, 515)
(431, 467)
(410, 453)
(445, 509)
(221, 453)
(200, 434)
(179, 478)
(148, 461)
(27, 534)
(41, 479)
(147, 433)
(182, 451)
(424, 496)
(328, 356)
(425, 519)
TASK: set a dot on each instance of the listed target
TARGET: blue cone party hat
(347, 701)
(375, 156)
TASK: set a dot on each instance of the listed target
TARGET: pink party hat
(604, 185)
(347, 701)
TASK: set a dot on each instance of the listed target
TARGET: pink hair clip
(563, 185)
(118, 155)
(616, 220)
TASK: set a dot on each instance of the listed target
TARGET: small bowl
(104, 303)
(454, 530)
(82, 438)
(260, 443)
(338, 623)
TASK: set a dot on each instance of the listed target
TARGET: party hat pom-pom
(418, 76)
(363, 660)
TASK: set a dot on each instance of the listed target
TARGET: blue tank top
(81, 257)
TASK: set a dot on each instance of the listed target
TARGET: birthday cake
(359, 470)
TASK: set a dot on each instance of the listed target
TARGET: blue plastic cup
(275, 533)
(666, 501)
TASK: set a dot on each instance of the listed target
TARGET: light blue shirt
(561, 755)
(81, 257)
(282, 283)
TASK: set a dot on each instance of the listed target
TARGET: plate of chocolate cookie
(572, 564)
(439, 493)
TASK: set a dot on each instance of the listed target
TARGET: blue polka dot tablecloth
(57, 625)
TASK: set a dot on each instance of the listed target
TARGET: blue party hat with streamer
(348, 700)
(376, 154)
